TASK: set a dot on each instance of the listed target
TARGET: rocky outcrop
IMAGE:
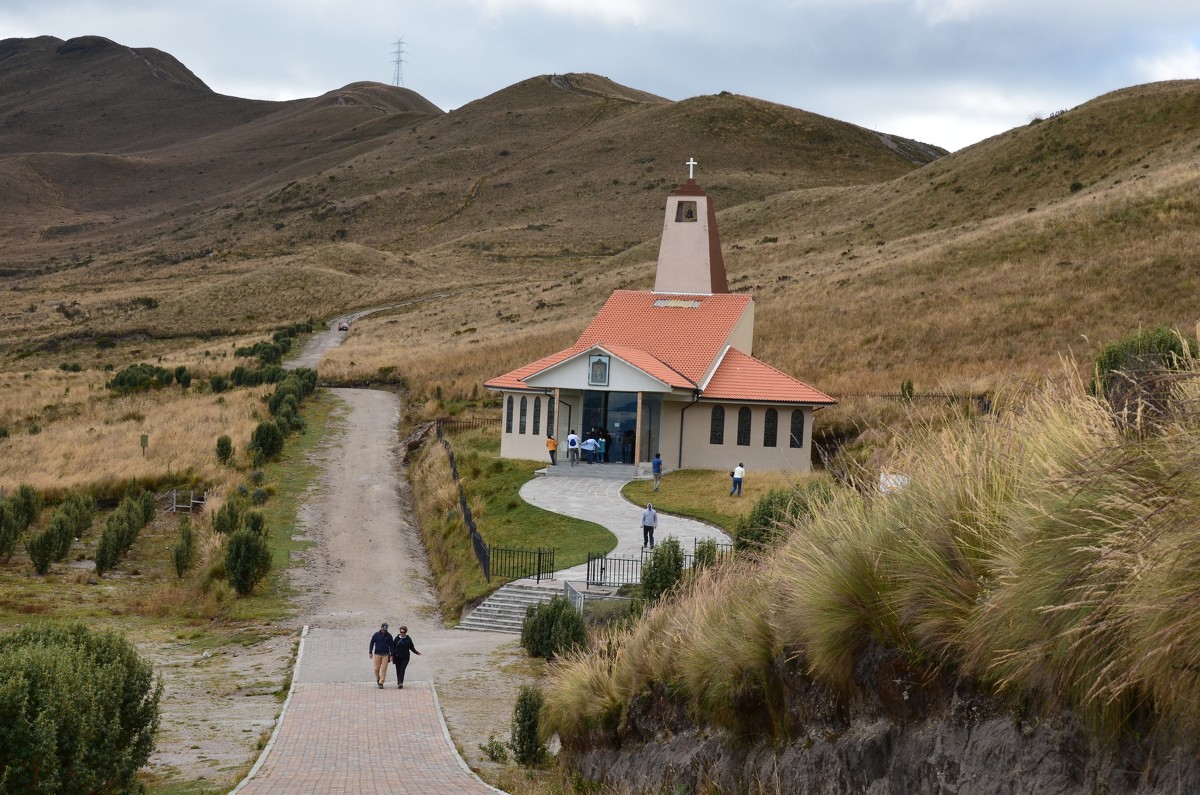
(901, 734)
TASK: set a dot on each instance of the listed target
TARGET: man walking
(738, 473)
(656, 469)
(573, 447)
(552, 446)
(380, 650)
(649, 522)
(402, 644)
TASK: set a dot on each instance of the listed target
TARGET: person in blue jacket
(402, 644)
(380, 651)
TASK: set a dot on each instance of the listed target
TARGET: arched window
(797, 428)
(508, 415)
(537, 416)
(770, 427)
(744, 426)
(524, 412)
(550, 416)
(716, 428)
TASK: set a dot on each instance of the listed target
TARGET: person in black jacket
(379, 650)
(402, 644)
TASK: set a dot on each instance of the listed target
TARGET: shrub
(267, 440)
(27, 505)
(218, 383)
(227, 518)
(777, 508)
(137, 377)
(1132, 372)
(247, 560)
(9, 532)
(183, 377)
(224, 449)
(552, 629)
(527, 745)
(40, 547)
(149, 507)
(706, 553)
(80, 710)
(255, 523)
(494, 750)
(664, 569)
(121, 530)
(183, 553)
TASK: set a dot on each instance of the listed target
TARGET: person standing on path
(656, 469)
(601, 448)
(589, 447)
(402, 644)
(552, 446)
(573, 447)
(649, 522)
(738, 473)
(380, 650)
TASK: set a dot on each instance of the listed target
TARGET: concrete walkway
(599, 500)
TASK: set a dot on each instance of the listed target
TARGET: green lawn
(704, 495)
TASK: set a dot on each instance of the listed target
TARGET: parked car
(343, 326)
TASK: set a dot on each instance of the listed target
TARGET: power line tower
(398, 62)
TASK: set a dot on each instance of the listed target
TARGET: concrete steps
(504, 610)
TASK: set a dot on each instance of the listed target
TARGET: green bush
(183, 377)
(183, 553)
(138, 377)
(255, 523)
(527, 746)
(552, 629)
(706, 553)
(224, 449)
(78, 711)
(9, 532)
(41, 547)
(1132, 372)
(664, 569)
(121, 530)
(247, 560)
(26, 504)
(227, 518)
(267, 440)
(258, 496)
(218, 383)
(762, 526)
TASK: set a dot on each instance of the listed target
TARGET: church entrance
(613, 415)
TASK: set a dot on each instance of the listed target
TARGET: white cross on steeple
(691, 164)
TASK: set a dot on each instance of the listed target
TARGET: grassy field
(704, 495)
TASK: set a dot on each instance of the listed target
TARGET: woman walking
(402, 644)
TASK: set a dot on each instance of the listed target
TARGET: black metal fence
(603, 570)
(518, 564)
(468, 423)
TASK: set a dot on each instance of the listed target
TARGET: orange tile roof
(741, 377)
(685, 332)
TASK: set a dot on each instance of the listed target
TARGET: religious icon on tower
(597, 370)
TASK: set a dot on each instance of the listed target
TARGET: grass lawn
(704, 495)
(494, 483)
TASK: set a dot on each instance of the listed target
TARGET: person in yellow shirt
(552, 446)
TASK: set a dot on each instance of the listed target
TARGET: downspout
(682, 411)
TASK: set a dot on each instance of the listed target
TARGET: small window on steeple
(685, 211)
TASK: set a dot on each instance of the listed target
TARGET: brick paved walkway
(352, 738)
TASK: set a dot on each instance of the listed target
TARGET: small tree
(224, 449)
(527, 745)
(9, 532)
(664, 569)
(227, 518)
(183, 377)
(706, 553)
(26, 505)
(183, 552)
(41, 547)
(247, 560)
(267, 440)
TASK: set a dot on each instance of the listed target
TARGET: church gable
(602, 369)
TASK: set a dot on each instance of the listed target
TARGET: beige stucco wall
(526, 445)
(699, 454)
(573, 374)
(683, 254)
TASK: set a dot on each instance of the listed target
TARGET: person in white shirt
(572, 447)
(589, 449)
(737, 474)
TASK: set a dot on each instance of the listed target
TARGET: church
(669, 371)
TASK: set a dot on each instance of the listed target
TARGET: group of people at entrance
(384, 649)
(594, 448)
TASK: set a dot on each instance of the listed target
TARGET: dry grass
(91, 439)
(1045, 553)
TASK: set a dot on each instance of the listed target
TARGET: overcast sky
(947, 72)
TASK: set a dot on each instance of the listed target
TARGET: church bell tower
(689, 256)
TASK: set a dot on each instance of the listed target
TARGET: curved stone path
(599, 500)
